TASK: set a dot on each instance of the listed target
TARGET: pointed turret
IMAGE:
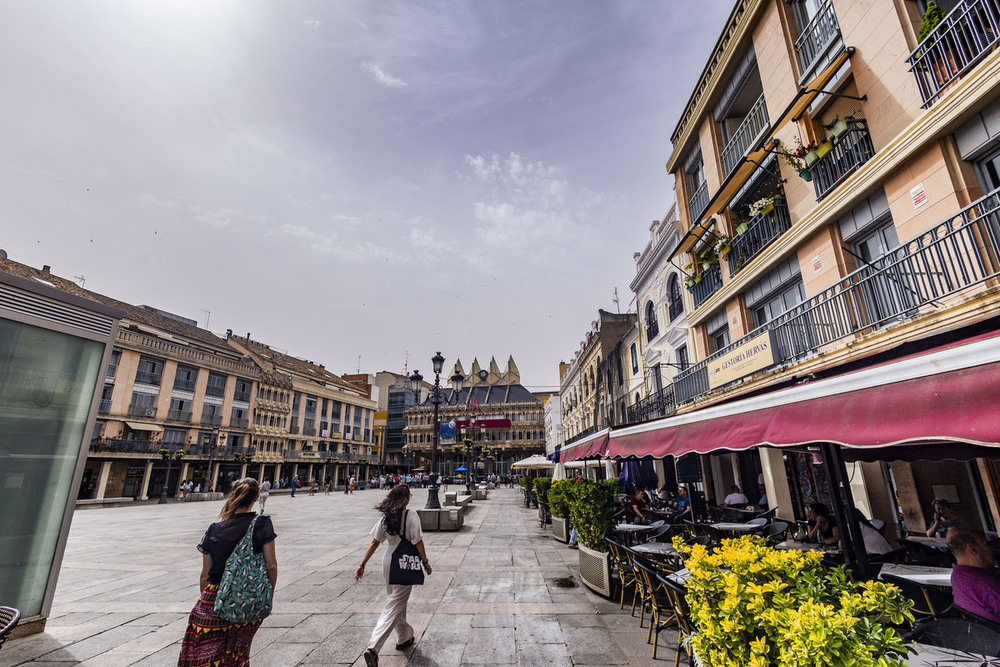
(494, 376)
(474, 373)
(458, 368)
(511, 374)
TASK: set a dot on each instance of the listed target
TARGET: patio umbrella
(461, 469)
(638, 473)
(536, 461)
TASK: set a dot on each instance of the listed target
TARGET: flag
(475, 401)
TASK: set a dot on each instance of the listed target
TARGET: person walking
(312, 487)
(265, 491)
(209, 639)
(295, 484)
(395, 523)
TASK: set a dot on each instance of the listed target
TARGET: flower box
(811, 158)
(839, 128)
(824, 148)
(806, 175)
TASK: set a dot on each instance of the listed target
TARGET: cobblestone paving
(130, 578)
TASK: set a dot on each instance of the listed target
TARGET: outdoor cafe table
(629, 530)
(924, 655)
(808, 546)
(736, 527)
(655, 549)
(936, 542)
(936, 577)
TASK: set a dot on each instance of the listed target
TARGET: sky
(361, 184)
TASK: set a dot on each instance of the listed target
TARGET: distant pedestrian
(350, 483)
(209, 639)
(312, 487)
(329, 485)
(396, 522)
(295, 484)
(265, 491)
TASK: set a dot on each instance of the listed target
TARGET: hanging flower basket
(824, 148)
(812, 157)
(839, 128)
(806, 175)
(742, 227)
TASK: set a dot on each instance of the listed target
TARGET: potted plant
(559, 500)
(824, 148)
(179, 454)
(723, 245)
(591, 510)
(929, 20)
(755, 605)
(762, 206)
(542, 486)
(742, 226)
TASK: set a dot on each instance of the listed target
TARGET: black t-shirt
(221, 539)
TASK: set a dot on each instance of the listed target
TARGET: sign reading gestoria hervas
(754, 355)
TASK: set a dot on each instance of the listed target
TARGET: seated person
(636, 504)
(735, 498)
(944, 519)
(975, 581)
(663, 495)
(762, 503)
(822, 527)
(682, 505)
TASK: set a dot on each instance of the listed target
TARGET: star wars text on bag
(409, 562)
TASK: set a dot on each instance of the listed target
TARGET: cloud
(381, 76)
(222, 217)
(335, 245)
(312, 25)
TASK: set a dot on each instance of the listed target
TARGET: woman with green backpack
(238, 575)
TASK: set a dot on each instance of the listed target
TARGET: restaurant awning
(947, 395)
(533, 462)
(139, 426)
(739, 176)
(593, 446)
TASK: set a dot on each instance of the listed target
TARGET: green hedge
(559, 498)
(591, 510)
(542, 486)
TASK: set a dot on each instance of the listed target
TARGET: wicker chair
(662, 612)
(8, 621)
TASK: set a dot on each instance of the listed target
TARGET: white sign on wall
(918, 195)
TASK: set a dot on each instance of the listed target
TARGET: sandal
(371, 657)
(407, 644)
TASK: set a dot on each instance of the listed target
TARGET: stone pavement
(130, 578)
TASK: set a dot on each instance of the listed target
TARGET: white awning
(139, 426)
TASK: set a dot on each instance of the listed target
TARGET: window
(295, 402)
(149, 371)
(243, 388)
(652, 327)
(142, 405)
(719, 338)
(173, 436)
(778, 302)
(695, 169)
(634, 357)
(682, 356)
(310, 405)
(116, 355)
(216, 385)
(185, 378)
(180, 409)
(676, 303)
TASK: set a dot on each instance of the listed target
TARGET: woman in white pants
(395, 520)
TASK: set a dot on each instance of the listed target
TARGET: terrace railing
(761, 231)
(850, 150)
(817, 36)
(752, 127)
(660, 404)
(958, 42)
(954, 255)
(711, 281)
(699, 201)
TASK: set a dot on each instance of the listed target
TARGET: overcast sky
(353, 178)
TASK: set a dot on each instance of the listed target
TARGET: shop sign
(754, 355)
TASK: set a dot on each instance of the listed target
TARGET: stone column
(214, 476)
(243, 471)
(102, 479)
(185, 466)
(144, 492)
(260, 474)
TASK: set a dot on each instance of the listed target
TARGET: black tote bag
(405, 568)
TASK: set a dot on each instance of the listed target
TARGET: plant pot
(839, 128)
(742, 227)
(806, 175)
(824, 148)
(811, 158)
(726, 249)
(767, 208)
(595, 570)
(560, 529)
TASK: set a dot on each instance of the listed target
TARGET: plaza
(497, 595)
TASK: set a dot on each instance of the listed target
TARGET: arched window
(676, 307)
(652, 326)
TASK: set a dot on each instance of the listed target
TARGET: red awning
(595, 446)
(948, 395)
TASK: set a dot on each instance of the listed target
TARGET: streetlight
(436, 398)
(168, 454)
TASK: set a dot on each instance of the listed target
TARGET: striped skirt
(211, 641)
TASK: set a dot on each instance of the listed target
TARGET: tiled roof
(300, 367)
(490, 394)
(135, 314)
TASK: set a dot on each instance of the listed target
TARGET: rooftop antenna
(406, 362)
(83, 281)
(617, 304)
(359, 364)
(208, 318)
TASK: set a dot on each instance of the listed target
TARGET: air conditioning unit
(149, 412)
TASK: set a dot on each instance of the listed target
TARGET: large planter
(560, 529)
(811, 158)
(595, 570)
(839, 128)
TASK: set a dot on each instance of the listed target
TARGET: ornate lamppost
(436, 398)
(168, 454)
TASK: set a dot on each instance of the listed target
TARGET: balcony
(112, 369)
(751, 129)
(238, 422)
(183, 385)
(761, 230)
(124, 446)
(966, 35)
(293, 429)
(242, 396)
(147, 377)
(652, 329)
(179, 415)
(711, 281)
(660, 404)
(138, 410)
(850, 150)
(211, 420)
(699, 201)
(105, 406)
(306, 430)
(675, 309)
(954, 255)
(817, 37)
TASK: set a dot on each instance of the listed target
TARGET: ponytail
(243, 494)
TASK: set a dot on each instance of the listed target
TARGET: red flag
(475, 401)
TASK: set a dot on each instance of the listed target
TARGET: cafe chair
(682, 615)
(759, 521)
(878, 524)
(928, 602)
(769, 514)
(982, 620)
(8, 621)
(622, 567)
(656, 597)
(660, 532)
(921, 554)
(958, 634)
(774, 532)
(544, 515)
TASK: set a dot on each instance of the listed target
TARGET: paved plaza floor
(130, 578)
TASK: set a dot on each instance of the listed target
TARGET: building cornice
(144, 342)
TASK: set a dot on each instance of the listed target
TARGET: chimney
(45, 270)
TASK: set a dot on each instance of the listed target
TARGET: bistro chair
(921, 554)
(928, 602)
(544, 515)
(661, 609)
(769, 514)
(8, 621)
(958, 634)
(642, 591)
(623, 568)
(759, 521)
(774, 532)
(660, 532)
(682, 615)
(982, 620)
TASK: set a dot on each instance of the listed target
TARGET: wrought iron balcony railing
(954, 255)
(112, 369)
(581, 435)
(959, 41)
(241, 396)
(652, 329)
(105, 406)
(179, 415)
(146, 377)
(850, 150)
(761, 230)
(660, 404)
(138, 410)
(752, 127)
(699, 201)
(211, 420)
(816, 37)
(115, 446)
(184, 385)
(711, 281)
(237, 422)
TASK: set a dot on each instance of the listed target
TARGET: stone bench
(98, 503)
(446, 518)
(199, 497)
(455, 500)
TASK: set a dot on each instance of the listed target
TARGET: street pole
(433, 502)
(163, 491)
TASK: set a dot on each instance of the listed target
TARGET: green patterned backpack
(244, 594)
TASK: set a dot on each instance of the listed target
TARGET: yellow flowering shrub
(756, 606)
